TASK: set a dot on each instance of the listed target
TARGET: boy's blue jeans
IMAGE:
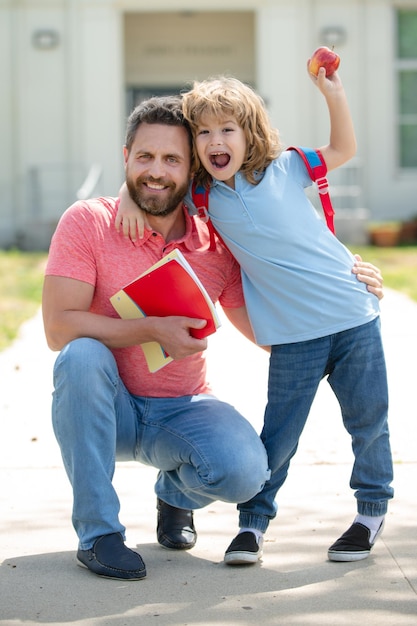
(205, 450)
(354, 362)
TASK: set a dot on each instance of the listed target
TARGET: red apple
(324, 57)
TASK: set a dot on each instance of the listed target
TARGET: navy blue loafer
(109, 557)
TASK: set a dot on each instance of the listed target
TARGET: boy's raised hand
(342, 141)
(326, 84)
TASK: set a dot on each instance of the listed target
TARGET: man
(106, 404)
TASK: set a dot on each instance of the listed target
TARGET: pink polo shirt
(87, 247)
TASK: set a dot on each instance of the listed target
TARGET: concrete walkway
(294, 585)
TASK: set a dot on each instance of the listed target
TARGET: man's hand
(173, 333)
(370, 275)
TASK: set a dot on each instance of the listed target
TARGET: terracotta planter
(409, 232)
(385, 236)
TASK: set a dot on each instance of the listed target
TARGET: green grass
(21, 278)
(398, 266)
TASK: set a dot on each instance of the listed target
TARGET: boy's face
(221, 147)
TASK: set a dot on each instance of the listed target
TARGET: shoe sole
(81, 564)
(348, 557)
(177, 546)
(242, 558)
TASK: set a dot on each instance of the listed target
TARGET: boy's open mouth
(219, 159)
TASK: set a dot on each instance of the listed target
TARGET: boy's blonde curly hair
(223, 96)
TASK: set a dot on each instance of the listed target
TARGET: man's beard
(152, 204)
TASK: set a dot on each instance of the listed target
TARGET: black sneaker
(109, 557)
(354, 544)
(244, 549)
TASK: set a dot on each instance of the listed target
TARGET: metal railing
(90, 183)
(46, 191)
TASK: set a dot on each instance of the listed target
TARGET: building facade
(71, 70)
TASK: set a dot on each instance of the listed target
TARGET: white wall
(170, 49)
(8, 129)
(64, 109)
(287, 34)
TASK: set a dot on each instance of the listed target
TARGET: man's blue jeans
(354, 362)
(205, 450)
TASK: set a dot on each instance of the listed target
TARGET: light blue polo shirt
(297, 276)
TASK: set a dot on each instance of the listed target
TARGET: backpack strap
(200, 196)
(317, 170)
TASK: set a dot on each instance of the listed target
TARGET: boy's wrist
(335, 94)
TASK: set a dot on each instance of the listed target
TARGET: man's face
(158, 168)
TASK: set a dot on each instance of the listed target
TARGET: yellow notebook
(169, 287)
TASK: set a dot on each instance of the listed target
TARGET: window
(407, 87)
(136, 95)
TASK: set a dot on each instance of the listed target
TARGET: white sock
(258, 533)
(373, 523)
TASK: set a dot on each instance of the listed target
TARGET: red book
(170, 287)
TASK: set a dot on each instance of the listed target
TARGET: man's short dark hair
(157, 110)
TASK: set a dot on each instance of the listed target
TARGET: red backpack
(317, 170)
